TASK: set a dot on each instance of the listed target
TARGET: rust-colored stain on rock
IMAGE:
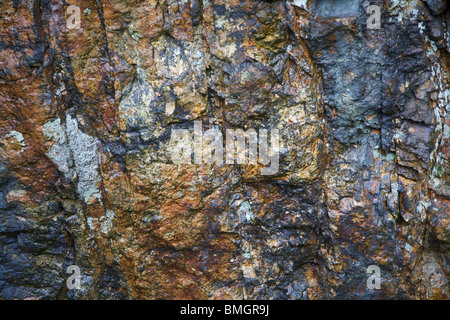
(87, 175)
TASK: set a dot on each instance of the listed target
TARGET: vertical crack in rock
(87, 176)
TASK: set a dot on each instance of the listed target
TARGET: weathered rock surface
(87, 177)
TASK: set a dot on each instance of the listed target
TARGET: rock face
(87, 176)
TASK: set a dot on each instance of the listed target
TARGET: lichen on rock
(87, 176)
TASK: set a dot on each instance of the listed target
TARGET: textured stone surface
(87, 178)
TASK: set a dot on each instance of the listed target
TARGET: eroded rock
(86, 170)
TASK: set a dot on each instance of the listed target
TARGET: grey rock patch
(338, 9)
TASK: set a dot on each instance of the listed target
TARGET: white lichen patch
(59, 153)
(301, 3)
(92, 222)
(107, 223)
(404, 9)
(76, 154)
(408, 247)
(422, 209)
(245, 212)
(18, 137)
(85, 154)
(16, 195)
